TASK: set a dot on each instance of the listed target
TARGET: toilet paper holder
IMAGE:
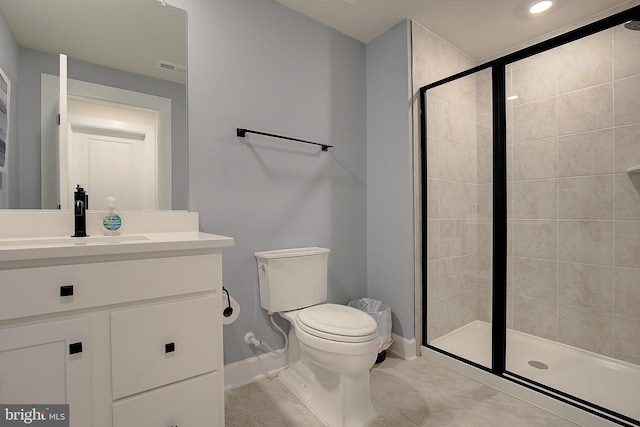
(228, 311)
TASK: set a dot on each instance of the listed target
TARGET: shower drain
(538, 365)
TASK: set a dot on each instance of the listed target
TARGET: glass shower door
(574, 220)
(458, 217)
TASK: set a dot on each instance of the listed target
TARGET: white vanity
(125, 329)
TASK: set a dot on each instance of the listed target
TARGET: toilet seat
(337, 323)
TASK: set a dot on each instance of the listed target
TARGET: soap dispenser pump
(80, 206)
(111, 221)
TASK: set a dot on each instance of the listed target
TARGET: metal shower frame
(499, 219)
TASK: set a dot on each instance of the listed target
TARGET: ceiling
(98, 31)
(479, 28)
(123, 34)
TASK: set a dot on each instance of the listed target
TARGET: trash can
(382, 315)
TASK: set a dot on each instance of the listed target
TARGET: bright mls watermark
(34, 415)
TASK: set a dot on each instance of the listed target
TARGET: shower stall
(531, 217)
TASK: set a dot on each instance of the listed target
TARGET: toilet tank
(292, 278)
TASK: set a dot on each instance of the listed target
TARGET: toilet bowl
(331, 346)
(329, 362)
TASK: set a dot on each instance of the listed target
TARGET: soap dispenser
(80, 206)
(111, 221)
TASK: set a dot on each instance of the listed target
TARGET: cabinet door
(43, 364)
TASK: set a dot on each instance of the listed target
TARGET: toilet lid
(337, 323)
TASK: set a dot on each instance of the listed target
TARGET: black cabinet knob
(75, 348)
(170, 347)
(66, 290)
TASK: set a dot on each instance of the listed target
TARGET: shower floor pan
(598, 379)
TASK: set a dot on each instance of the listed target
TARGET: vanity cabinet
(125, 339)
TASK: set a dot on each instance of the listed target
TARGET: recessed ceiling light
(540, 6)
(512, 97)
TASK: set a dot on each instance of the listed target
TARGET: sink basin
(71, 241)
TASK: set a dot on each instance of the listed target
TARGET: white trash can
(382, 315)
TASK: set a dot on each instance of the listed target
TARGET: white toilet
(331, 347)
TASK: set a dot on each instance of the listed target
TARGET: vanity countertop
(52, 247)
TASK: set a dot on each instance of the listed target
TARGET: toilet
(331, 346)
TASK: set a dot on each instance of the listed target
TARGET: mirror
(121, 54)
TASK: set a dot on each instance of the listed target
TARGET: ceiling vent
(164, 65)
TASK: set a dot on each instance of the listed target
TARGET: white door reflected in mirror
(125, 114)
(114, 158)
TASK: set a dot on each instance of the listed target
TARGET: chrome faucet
(80, 206)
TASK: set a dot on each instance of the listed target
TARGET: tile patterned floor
(405, 393)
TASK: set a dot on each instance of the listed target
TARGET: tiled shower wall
(452, 219)
(484, 126)
(574, 212)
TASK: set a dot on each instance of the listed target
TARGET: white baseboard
(403, 348)
(253, 369)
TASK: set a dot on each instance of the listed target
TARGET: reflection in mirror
(125, 60)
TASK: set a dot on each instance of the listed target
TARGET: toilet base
(338, 400)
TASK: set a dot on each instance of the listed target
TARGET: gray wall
(32, 63)
(9, 64)
(390, 244)
(260, 65)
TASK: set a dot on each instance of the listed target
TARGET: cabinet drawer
(159, 344)
(39, 290)
(194, 402)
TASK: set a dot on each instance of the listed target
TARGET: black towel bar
(242, 133)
